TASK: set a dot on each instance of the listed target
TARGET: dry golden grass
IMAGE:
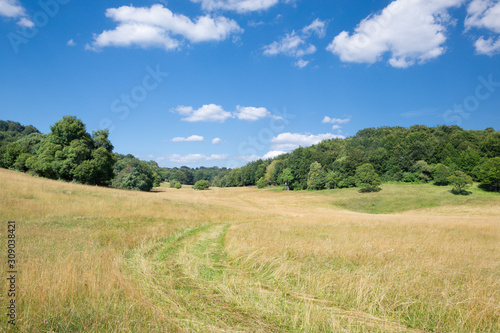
(94, 259)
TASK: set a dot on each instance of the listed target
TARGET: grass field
(411, 258)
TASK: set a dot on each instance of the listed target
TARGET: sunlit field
(411, 258)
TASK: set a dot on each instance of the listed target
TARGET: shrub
(441, 174)
(202, 185)
(367, 178)
(261, 183)
(489, 174)
(460, 180)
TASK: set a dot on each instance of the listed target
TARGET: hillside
(93, 259)
(396, 153)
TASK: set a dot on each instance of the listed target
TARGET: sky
(225, 82)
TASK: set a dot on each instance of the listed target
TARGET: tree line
(418, 154)
(70, 153)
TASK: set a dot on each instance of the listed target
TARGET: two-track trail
(190, 282)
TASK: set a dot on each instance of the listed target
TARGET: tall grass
(102, 260)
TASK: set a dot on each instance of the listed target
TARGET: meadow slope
(412, 258)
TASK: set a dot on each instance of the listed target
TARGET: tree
(367, 179)
(333, 179)
(261, 183)
(422, 170)
(441, 174)
(286, 177)
(460, 180)
(489, 174)
(316, 178)
(137, 181)
(201, 185)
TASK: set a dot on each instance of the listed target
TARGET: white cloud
(290, 141)
(240, 6)
(156, 26)
(192, 138)
(485, 14)
(336, 127)
(210, 113)
(215, 113)
(13, 9)
(273, 154)
(250, 113)
(216, 141)
(292, 45)
(194, 158)
(71, 42)
(328, 120)
(318, 28)
(410, 31)
(296, 45)
(301, 63)
(252, 158)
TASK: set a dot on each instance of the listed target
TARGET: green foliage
(201, 185)
(134, 174)
(11, 131)
(136, 180)
(367, 178)
(333, 179)
(261, 183)
(175, 185)
(316, 178)
(68, 152)
(286, 178)
(441, 174)
(460, 180)
(489, 174)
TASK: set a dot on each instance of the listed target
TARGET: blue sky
(224, 82)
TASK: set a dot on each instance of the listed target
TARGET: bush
(202, 185)
(441, 174)
(489, 174)
(178, 186)
(460, 180)
(367, 179)
(261, 183)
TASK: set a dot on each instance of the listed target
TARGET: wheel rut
(190, 282)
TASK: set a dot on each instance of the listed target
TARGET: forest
(418, 154)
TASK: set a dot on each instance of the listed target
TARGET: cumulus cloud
(410, 31)
(191, 159)
(192, 138)
(301, 63)
(208, 113)
(273, 154)
(71, 42)
(216, 141)
(328, 120)
(290, 141)
(215, 113)
(292, 45)
(250, 113)
(13, 9)
(157, 26)
(240, 6)
(485, 14)
(318, 28)
(295, 44)
(252, 158)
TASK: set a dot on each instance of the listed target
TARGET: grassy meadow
(411, 258)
